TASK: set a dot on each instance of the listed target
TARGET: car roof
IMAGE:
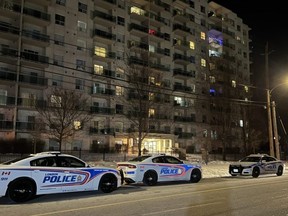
(258, 155)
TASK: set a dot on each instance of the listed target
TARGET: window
(151, 96)
(192, 45)
(119, 90)
(120, 73)
(120, 21)
(58, 60)
(82, 26)
(233, 83)
(202, 9)
(100, 51)
(61, 2)
(137, 10)
(203, 62)
(77, 125)
(3, 97)
(57, 80)
(203, 35)
(98, 69)
(151, 80)
(241, 124)
(119, 109)
(151, 113)
(82, 7)
(56, 100)
(79, 84)
(246, 89)
(60, 20)
(59, 39)
(81, 44)
(212, 79)
(80, 64)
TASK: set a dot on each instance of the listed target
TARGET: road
(231, 196)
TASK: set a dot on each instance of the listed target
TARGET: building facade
(199, 49)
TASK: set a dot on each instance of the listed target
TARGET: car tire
(21, 190)
(108, 183)
(150, 178)
(195, 176)
(279, 171)
(255, 172)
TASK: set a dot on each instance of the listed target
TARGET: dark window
(60, 20)
(82, 7)
(202, 8)
(120, 21)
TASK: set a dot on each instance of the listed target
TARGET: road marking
(156, 198)
(184, 208)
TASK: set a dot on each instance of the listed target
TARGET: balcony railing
(102, 110)
(104, 34)
(36, 35)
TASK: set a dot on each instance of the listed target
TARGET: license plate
(235, 170)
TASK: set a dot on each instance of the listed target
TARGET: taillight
(130, 166)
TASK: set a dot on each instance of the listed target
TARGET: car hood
(243, 163)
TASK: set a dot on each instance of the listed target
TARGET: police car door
(172, 170)
(269, 164)
(46, 175)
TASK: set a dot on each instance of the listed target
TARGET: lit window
(119, 90)
(246, 88)
(120, 73)
(151, 113)
(151, 96)
(233, 83)
(192, 45)
(100, 51)
(238, 38)
(203, 62)
(77, 125)
(151, 80)
(212, 79)
(203, 36)
(56, 100)
(82, 26)
(137, 10)
(241, 124)
(151, 48)
(152, 32)
(98, 69)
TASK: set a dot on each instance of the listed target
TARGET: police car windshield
(140, 158)
(14, 160)
(251, 159)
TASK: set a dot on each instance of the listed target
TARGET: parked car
(150, 169)
(257, 164)
(53, 172)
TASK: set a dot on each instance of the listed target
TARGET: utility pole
(277, 149)
(270, 129)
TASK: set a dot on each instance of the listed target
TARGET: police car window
(173, 160)
(70, 162)
(49, 162)
(158, 160)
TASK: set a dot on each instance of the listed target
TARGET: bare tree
(144, 98)
(64, 113)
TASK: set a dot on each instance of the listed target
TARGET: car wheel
(21, 190)
(255, 172)
(150, 178)
(279, 171)
(195, 176)
(233, 175)
(108, 183)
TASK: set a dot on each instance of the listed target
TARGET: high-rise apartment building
(198, 53)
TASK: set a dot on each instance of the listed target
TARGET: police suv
(53, 172)
(257, 164)
(159, 168)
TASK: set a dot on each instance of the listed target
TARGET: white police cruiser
(257, 164)
(159, 168)
(53, 172)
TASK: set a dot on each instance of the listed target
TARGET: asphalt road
(231, 196)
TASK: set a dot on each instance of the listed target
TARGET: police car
(257, 164)
(150, 169)
(53, 172)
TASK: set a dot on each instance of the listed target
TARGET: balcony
(156, 66)
(106, 57)
(158, 6)
(183, 3)
(32, 37)
(42, 2)
(181, 30)
(6, 125)
(8, 31)
(106, 73)
(33, 80)
(183, 73)
(104, 18)
(104, 37)
(8, 54)
(29, 126)
(106, 4)
(102, 110)
(6, 100)
(183, 135)
(181, 44)
(154, 51)
(32, 59)
(7, 74)
(103, 91)
(184, 118)
(182, 88)
(182, 59)
(28, 102)
(105, 131)
(182, 16)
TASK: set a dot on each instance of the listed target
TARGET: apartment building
(84, 45)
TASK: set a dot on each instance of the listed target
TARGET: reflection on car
(257, 164)
(53, 172)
